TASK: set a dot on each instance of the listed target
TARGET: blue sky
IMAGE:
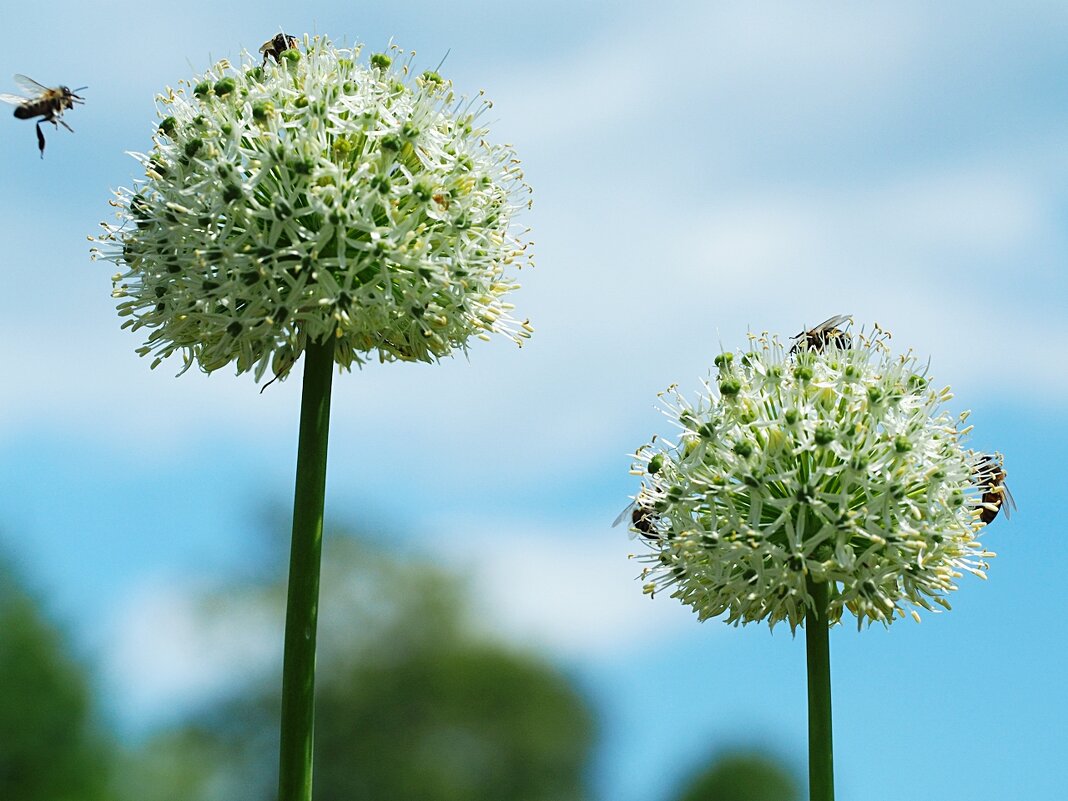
(698, 169)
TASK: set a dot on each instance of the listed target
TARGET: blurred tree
(743, 777)
(412, 703)
(49, 747)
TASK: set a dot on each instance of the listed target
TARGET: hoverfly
(989, 472)
(277, 45)
(642, 519)
(823, 335)
(48, 104)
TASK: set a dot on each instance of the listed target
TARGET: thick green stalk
(302, 602)
(817, 645)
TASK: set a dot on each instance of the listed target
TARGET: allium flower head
(834, 463)
(317, 196)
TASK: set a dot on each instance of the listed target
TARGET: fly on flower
(48, 104)
(277, 45)
(824, 334)
(989, 472)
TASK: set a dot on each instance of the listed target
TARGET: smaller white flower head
(835, 462)
(315, 196)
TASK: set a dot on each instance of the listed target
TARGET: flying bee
(989, 473)
(277, 45)
(823, 335)
(48, 104)
(642, 519)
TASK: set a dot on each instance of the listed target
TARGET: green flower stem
(817, 645)
(302, 604)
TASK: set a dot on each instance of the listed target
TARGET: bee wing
(1008, 501)
(268, 45)
(30, 85)
(15, 100)
(625, 514)
(832, 322)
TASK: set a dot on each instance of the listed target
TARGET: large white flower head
(834, 462)
(315, 196)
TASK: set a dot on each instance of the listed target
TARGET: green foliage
(175, 764)
(49, 750)
(411, 705)
(743, 777)
(471, 723)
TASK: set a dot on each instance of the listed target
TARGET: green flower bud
(729, 387)
(824, 435)
(225, 86)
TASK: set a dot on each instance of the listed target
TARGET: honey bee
(642, 519)
(48, 104)
(823, 335)
(989, 472)
(275, 46)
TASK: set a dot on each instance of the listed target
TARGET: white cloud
(170, 648)
(568, 589)
(656, 65)
(653, 241)
(941, 258)
(957, 222)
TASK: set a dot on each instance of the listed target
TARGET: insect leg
(40, 138)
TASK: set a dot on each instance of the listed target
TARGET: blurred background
(699, 169)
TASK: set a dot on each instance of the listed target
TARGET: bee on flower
(325, 196)
(989, 473)
(837, 465)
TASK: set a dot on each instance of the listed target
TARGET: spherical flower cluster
(314, 196)
(831, 463)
